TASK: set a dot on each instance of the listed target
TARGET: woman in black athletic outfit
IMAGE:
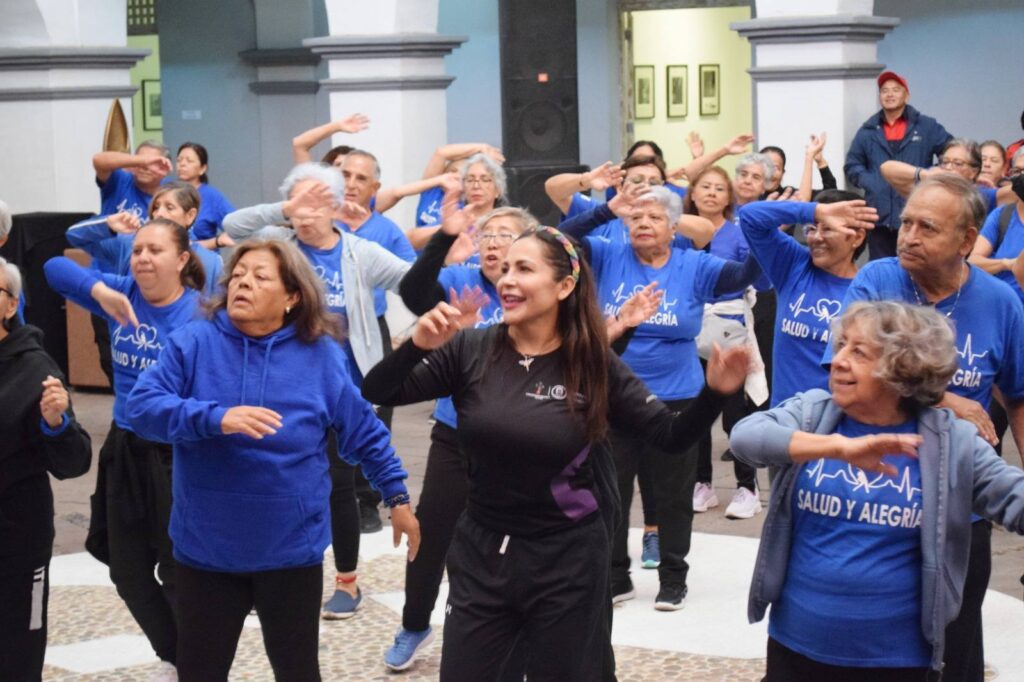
(535, 396)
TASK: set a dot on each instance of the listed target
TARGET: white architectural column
(386, 60)
(62, 63)
(814, 69)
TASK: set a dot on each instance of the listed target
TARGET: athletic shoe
(166, 672)
(744, 505)
(402, 653)
(369, 519)
(727, 456)
(704, 497)
(650, 557)
(342, 605)
(670, 597)
(623, 591)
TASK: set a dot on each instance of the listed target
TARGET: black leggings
(135, 477)
(441, 502)
(212, 607)
(964, 657)
(786, 665)
(674, 477)
(736, 407)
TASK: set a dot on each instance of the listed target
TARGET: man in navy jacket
(897, 132)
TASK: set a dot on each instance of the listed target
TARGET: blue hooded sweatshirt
(242, 504)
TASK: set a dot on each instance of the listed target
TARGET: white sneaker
(744, 505)
(704, 497)
(166, 672)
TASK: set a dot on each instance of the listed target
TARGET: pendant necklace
(959, 288)
(526, 361)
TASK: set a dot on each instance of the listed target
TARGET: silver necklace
(959, 288)
(526, 361)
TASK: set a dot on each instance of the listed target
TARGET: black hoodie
(24, 449)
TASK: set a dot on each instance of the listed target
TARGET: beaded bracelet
(396, 500)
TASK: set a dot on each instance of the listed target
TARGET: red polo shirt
(895, 131)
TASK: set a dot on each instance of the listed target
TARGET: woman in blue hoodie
(251, 516)
(132, 503)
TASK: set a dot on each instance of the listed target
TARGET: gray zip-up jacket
(960, 474)
(365, 266)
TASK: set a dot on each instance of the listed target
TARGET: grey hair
(1016, 155)
(6, 221)
(917, 355)
(973, 209)
(751, 158)
(496, 171)
(327, 175)
(972, 148)
(366, 155)
(155, 144)
(12, 275)
(524, 218)
(668, 199)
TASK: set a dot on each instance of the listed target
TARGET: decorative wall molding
(105, 92)
(400, 83)
(288, 56)
(284, 87)
(44, 58)
(384, 46)
(639, 5)
(815, 73)
(839, 27)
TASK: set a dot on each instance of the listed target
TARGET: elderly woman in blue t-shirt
(865, 549)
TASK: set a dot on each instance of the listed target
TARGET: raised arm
(106, 163)
(304, 142)
(736, 145)
(902, 176)
(245, 222)
(446, 154)
(811, 155)
(561, 188)
(387, 198)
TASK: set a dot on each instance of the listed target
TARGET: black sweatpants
(137, 481)
(26, 544)
(786, 665)
(551, 591)
(735, 408)
(675, 474)
(442, 501)
(212, 607)
(964, 657)
(101, 335)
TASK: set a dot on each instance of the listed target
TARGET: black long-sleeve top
(529, 458)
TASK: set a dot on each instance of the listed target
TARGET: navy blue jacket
(921, 143)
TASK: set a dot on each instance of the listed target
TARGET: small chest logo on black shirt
(542, 392)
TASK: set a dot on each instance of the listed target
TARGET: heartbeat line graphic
(142, 337)
(621, 296)
(968, 353)
(859, 479)
(825, 309)
(334, 281)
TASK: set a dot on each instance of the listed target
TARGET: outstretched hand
(785, 195)
(403, 521)
(470, 301)
(816, 145)
(454, 220)
(641, 305)
(728, 368)
(866, 452)
(308, 201)
(846, 216)
(351, 213)
(353, 123)
(695, 143)
(739, 144)
(606, 175)
(622, 204)
(255, 422)
(115, 304)
(437, 326)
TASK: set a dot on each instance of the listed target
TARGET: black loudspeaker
(539, 101)
(526, 189)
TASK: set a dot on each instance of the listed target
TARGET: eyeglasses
(499, 238)
(955, 163)
(474, 180)
(641, 180)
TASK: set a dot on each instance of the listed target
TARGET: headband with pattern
(574, 258)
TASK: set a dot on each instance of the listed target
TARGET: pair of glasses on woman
(499, 238)
(481, 180)
(954, 163)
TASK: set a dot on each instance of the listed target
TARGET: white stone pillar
(813, 69)
(61, 66)
(386, 60)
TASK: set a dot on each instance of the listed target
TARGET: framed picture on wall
(710, 89)
(676, 83)
(152, 107)
(643, 91)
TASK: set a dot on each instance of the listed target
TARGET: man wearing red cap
(897, 132)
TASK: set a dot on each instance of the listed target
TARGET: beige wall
(694, 37)
(147, 69)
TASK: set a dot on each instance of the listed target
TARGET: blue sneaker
(342, 605)
(650, 557)
(402, 653)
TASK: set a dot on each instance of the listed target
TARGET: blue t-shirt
(988, 319)
(428, 210)
(580, 203)
(133, 349)
(383, 231)
(120, 193)
(988, 195)
(663, 352)
(809, 299)
(1010, 246)
(213, 206)
(455, 277)
(852, 595)
(730, 244)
